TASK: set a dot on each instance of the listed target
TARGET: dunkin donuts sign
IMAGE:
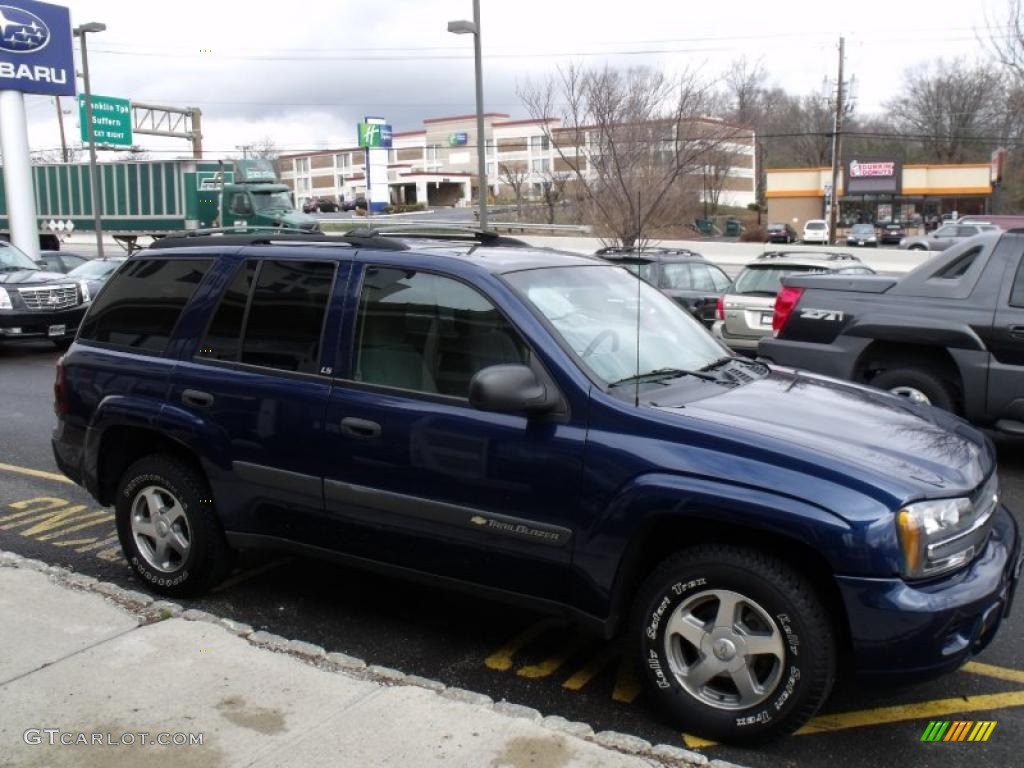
(872, 176)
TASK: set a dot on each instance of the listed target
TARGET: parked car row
(327, 205)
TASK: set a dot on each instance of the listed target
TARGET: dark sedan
(781, 233)
(59, 261)
(684, 276)
(891, 234)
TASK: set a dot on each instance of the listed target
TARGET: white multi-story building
(437, 164)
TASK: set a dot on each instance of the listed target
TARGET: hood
(929, 451)
(29, 277)
(290, 218)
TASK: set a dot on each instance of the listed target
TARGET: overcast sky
(305, 72)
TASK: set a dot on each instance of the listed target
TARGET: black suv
(686, 277)
(544, 428)
(35, 303)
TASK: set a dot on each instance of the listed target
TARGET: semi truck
(152, 198)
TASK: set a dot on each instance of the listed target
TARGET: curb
(150, 611)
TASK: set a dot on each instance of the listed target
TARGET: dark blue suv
(544, 428)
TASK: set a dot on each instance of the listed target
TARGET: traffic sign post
(111, 120)
(35, 57)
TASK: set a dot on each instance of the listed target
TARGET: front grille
(50, 297)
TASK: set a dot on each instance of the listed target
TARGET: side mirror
(510, 389)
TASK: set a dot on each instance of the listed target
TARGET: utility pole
(837, 148)
(245, 150)
(60, 122)
(94, 175)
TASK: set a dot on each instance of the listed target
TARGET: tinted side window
(1017, 292)
(224, 335)
(140, 305)
(719, 278)
(428, 333)
(286, 315)
(676, 276)
(702, 278)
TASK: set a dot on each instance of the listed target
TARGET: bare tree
(952, 109)
(745, 83)
(515, 174)
(1006, 38)
(50, 156)
(631, 140)
(716, 172)
(554, 188)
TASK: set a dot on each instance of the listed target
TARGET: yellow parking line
(501, 659)
(990, 670)
(552, 664)
(925, 710)
(627, 687)
(589, 671)
(35, 473)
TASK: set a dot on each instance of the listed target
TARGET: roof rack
(611, 250)
(238, 236)
(825, 255)
(425, 229)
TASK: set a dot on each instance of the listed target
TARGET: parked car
(59, 261)
(689, 279)
(862, 235)
(816, 231)
(483, 416)
(743, 315)
(354, 204)
(949, 333)
(781, 233)
(36, 303)
(945, 236)
(96, 272)
(319, 205)
(892, 234)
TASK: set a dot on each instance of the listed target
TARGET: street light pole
(94, 176)
(473, 27)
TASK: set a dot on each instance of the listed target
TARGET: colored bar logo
(958, 730)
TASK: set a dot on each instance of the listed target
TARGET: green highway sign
(111, 120)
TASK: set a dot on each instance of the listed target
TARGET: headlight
(942, 535)
(83, 289)
(5, 300)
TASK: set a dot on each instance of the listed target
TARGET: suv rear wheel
(917, 384)
(168, 529)
(733, 644)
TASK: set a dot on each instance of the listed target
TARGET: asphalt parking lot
(504, 652)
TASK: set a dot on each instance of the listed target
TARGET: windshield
(266, 200)
(645, 270)
(94, 270)
(815, 225)
(11, 259)
(594, 310)
(766, 281)
(862, 229)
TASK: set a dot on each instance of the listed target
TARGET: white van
(816, 231)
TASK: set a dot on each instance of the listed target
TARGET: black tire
(208, 557)
(930, 384)
(917, 248)
(796, 683)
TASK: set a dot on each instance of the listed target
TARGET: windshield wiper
(664, 373)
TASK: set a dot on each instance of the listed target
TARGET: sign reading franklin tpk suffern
(35, 48)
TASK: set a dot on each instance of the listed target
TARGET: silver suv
(744, 313)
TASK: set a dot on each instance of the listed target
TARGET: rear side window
(958, 267)
(1017, 292)
(141, 304)
(286, 315)
(224, 336)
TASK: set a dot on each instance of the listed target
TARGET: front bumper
(902, 631)
(25, 324)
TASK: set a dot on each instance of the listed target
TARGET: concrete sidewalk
(82, 661)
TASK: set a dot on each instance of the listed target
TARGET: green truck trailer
(152, 198)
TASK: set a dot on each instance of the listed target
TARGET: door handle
(196, 398)
(361, 428)
(1017, 331)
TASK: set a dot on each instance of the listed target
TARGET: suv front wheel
(733, 644)
(168, 529)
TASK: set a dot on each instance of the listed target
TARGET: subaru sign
(35, 49)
